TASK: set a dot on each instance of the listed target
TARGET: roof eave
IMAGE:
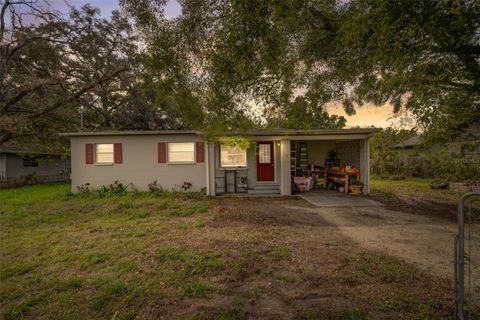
(253, 132)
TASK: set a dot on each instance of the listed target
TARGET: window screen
(232, 157)
(30, 162)
(181, 152)
(104, 153)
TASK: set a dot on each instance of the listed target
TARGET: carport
(326, 155)
(276, 156)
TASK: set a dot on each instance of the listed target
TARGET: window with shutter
(104, 153)
(89, 153)
(181, 152)
(118, 156)
(162, 152)
(200, 152)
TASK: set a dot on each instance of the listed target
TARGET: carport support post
(365, 165)
(285, 181)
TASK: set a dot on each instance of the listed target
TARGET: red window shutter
(162, 152)
(117, 151)
(89, 153)
(200, 150)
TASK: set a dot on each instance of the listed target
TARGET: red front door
(265, 168)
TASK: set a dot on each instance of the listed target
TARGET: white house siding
(251, 169)
(285, 185)
(140, 163)
(318, 151)
(140, 158)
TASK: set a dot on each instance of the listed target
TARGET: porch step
(266, 186)
(264, 189)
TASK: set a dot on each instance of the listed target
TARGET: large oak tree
(55, 69)
(419, 55)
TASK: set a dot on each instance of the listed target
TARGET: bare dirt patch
(417, 205)
(170, 256)
(291, 263)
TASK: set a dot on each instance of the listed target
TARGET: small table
(345, 176)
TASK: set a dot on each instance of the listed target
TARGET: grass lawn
(186, 256)
(413, 188)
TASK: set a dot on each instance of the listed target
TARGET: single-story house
(25, 164)
(411, 149)
(177, 157)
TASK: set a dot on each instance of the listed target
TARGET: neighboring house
(407, 150)
(411, 149)
(172, 157)
(23, 164)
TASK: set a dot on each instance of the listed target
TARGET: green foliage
(382, 154)
(238, 142)
(110, 290)
(191, 262)
(354, 314)
(441, 165)
(84, 66)
(93, 258)
(308, 315)
(286, 278)
(55, 67)
(154, 186)
(84, 257)
(384, 268)
(115, 188)
(413, 187)
(190, 210)
(289, 58)
(417, 54)
(304, 114)
(233, 313)
(196, 289)
(280, 253)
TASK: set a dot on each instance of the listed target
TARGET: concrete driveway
(330, 198)
(420, 240)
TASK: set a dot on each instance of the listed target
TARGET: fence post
(460, 263)
(461, 260)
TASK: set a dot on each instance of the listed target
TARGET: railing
(467, 258)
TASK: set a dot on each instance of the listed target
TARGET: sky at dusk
(368, 115)
(365, 116)
(172, 9)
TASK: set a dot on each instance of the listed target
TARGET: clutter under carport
(331, 176)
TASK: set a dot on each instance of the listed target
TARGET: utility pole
(81, 118)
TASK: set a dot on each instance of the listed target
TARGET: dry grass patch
(179, 256)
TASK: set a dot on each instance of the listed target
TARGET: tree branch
(2, 19)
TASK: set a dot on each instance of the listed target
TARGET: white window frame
(262, 156)
(104, 163)
(169, 161)
(229, 166)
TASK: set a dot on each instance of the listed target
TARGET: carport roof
(253, 132)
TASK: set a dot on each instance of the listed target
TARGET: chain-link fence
(467, 258)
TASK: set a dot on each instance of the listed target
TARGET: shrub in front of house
(154, 186)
